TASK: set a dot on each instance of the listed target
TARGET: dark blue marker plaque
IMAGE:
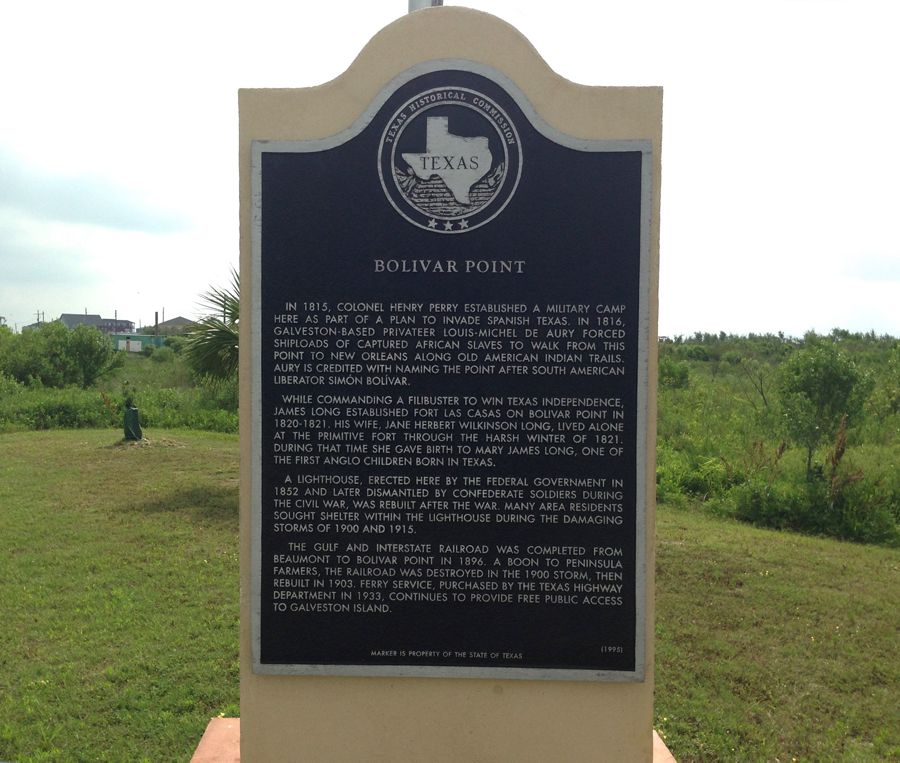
(450, 392)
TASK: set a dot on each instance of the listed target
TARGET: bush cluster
(785, 433)
(196, 408)
(852, 503)
(53, 356)
(49, 408)
(74, 408)
(49, 379)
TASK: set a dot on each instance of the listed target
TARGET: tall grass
(165, 393)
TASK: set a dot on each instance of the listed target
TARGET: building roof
(71, 320)
(174, 323)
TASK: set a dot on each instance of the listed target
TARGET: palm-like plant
(212, 347)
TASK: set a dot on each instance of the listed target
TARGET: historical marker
(451, 363)
(450, 343)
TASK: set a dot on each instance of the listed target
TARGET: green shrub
(680, 477)
(696, 352)
(673, 468)
(92, 354)
(163, 408)
(673, 374)
(163, 355)
(183, 408)
(73, 408)
(868, 512)
(53, 356)
(70, 408)
(840, 500)
(782, 504)
(214, 421)
(177, 343)
(708, 477)
(9, 386)
(219, 393)
(818, 386)
(870, 506)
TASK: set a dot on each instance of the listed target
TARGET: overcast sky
(781, 146)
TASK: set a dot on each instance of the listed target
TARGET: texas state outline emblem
(450, 159)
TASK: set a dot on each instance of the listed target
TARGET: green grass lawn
(118, 593)
(774, 646)
(119, 615)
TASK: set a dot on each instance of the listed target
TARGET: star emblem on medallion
(446, 225)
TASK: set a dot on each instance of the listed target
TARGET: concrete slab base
(661, 753)
(221, 743)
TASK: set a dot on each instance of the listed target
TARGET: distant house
(105, 325)
(179, 325)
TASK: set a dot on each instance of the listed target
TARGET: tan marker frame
(452, 719)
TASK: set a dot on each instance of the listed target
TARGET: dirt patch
(160, 442)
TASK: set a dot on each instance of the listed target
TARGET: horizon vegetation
(789, 433)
